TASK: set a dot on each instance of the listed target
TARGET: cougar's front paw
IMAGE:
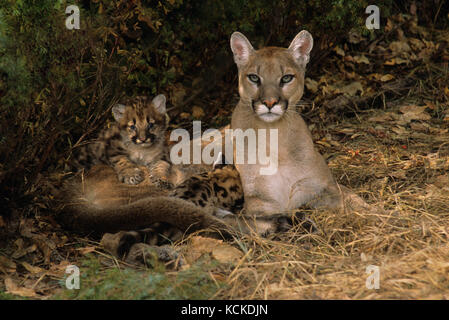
(131, 176)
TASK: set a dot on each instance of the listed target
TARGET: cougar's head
(142, 121)
(271, 79)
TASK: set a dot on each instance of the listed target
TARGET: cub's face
(142, 121)
(271, 80)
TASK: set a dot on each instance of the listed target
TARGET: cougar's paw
(131, 176)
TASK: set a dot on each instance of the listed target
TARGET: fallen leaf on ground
(395, 61)
(386, 77)
(414, 113)
(197, 112)
(220, 251)
(388, 116)
(361, 59)
(7, 265)
(311, 85)
(227, 254)
(86, 250)
(351, 89)
(12, 288)
(32, 269)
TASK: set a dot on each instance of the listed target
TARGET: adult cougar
(271, 82)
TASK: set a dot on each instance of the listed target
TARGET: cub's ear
(118, 111)
(241, 48)
(159, 103)
(301, 46)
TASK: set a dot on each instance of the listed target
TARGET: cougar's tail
(87, 217)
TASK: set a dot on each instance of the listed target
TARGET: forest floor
(379, 113)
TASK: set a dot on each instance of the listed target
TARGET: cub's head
(142, 121)
(271, 79)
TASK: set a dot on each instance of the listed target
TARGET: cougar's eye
(254, 78)
(132, 127)
(150, 125)
(287, 78)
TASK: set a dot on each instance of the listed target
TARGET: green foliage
(96, 283)
(8, 296)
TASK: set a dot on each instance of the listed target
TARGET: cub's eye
(150, 125)
(287, 78)
(132, 127)
(254, 78)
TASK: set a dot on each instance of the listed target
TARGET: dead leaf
(7, 265)
(20, 252)
(361, 59)
(412, 112)
(197, 112)
(32, 269)
(446, 116)
(58, 270)
(220, 251)
(395, 61)
(86, 250)
(399, 47)
(400, 130)
(339, 51)
(446, 91)
(12, 288)
(386, 77)
(419, 126)
(226, 253)
(311, 85)
(351, 89)
(184, 115)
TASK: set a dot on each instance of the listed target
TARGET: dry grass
(408, 242)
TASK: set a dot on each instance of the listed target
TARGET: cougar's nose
(270, 102)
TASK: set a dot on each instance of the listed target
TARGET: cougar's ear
(118, 111)
(301, 47)
(241, 48)
(159, 103)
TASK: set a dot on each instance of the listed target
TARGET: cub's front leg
(160, 173)
(127, 171)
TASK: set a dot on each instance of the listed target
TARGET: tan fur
(303, 177)
(98, 202)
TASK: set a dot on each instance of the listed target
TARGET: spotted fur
(219, 189)
(136, 138)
